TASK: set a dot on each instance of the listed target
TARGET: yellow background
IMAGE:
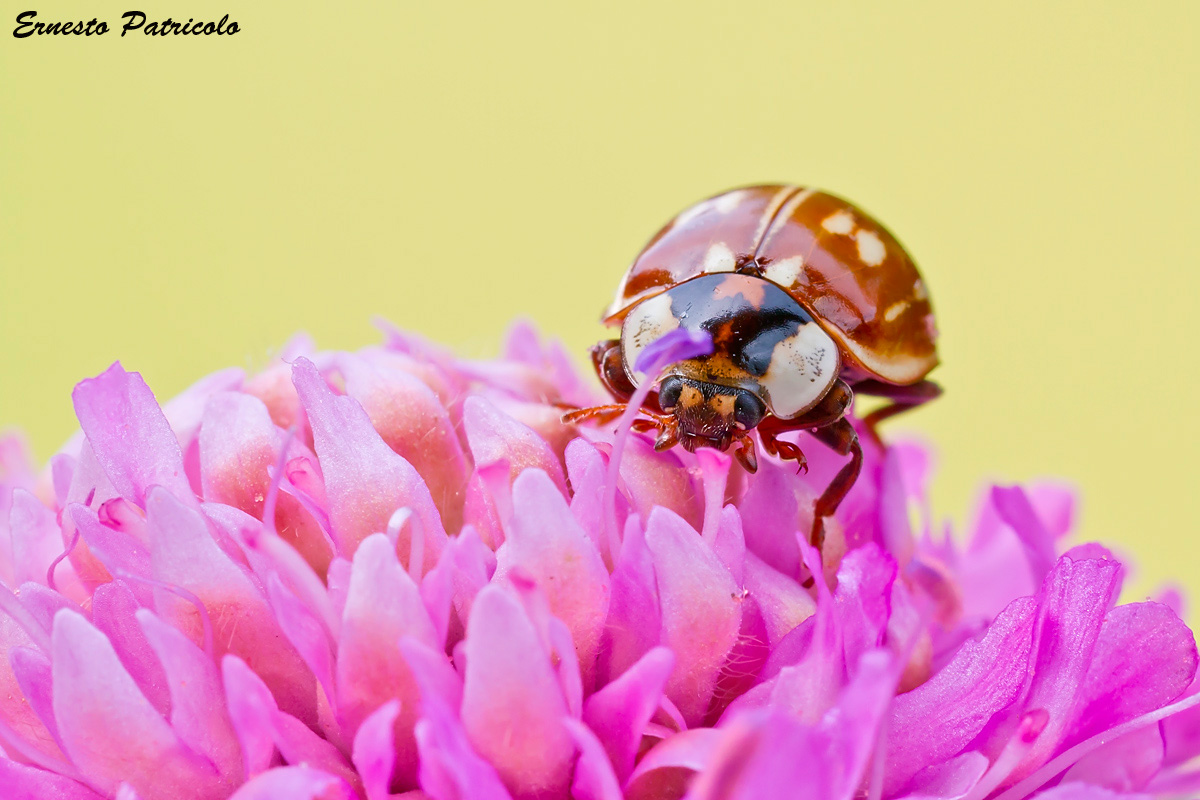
(185, 204)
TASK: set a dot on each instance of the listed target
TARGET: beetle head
(709, 414)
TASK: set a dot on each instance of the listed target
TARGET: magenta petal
(367, 482)
(770, 513)
(21, 782)
(863, 599)
(586, 472)
(1125, 764)
(782, 601)
(939, 718)
(374, 755)
(1015, 509)
(547, 543)
(701, 614)
(130, 435)
(594, 777)
(853, 729)
(185, 554)
(1075, 598)
(1145, 657)
(949, 780)
(618, 713)
(383, 605)
(767, 754)
(689, 751)
(1082, 791)
(495, 436)
(109, 729)
(513, 706)
(295, 783)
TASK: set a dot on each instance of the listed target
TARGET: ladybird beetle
(808, 300)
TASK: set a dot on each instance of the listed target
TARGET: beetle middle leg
(903, 398)
(842, 438)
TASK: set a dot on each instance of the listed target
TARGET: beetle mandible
(808, 300)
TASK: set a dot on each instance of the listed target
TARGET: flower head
(358, 574)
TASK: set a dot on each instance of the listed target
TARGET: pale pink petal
(660, 480)
(495, 436)
(1082, 791)
(548, 357)
(382, 606)
(31, 668)
(36, 540)
(512, 705)
(295, 783)
(701, 614)
(198, 714)
(450, 767)
(586, 473)
(185, 411)
(366, 481)
(130, 435)
(251, 708)
(412, 421)
(548, 544)
(184, 554)
(109, 729)
(618, 713)
(119, 552)
(238, 446)
(374, 755)
(949, 780)
(113, 608)
(305, 632)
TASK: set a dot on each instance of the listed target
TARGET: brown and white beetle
(808, 300)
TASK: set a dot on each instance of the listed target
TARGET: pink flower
(358, 575)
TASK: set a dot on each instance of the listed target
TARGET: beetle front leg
(830, 409)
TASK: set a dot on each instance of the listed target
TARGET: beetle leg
(598, 414)
(903, 398)
(606, 360)
(745, 453)
(831, 408)
(841, 437)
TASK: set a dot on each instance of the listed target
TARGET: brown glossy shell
(844, 267)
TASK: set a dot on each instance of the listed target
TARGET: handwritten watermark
(28, 25)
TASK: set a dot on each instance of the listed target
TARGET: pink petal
(547, 543)
(184, 554)
(185, 411)
(660, 479)
(412, 421)
(1082, 791)
(116, 550)
(495, 436)
(594, 777)
(36, 539)
(130, 435)
(670, 763)
(305, 632)
(586, 472)
(768, 754)
(770, 513)
(548, 358)
(939, 718)
(109, 729)
(366, 481)
(251, 708)
(197, 700)
(374, 755)
(782, 601)
(31, 668)
(512, 706)
(295, 783)
(700, 611)
(618, 713)
(382, 606)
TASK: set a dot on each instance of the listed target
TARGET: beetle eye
(668, 393)
(748, 410)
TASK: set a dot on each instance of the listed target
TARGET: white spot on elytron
(840, 222)
(919, 290)
(870, 248)
(719, 258)
(803, 367)
(647, 321)
(728, 201)
(784, 272)
(895, 310)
